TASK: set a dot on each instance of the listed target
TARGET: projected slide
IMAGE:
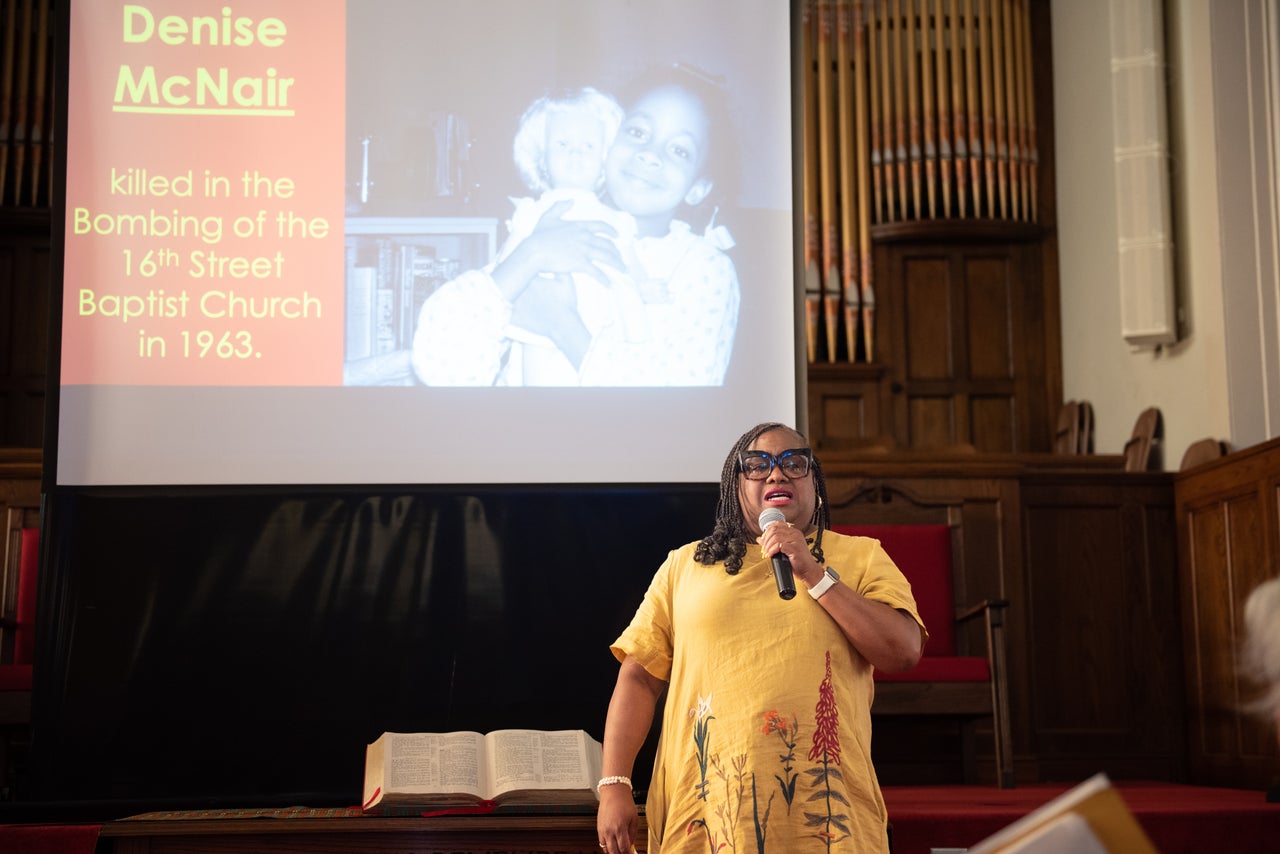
(202, 228)
(313, 242)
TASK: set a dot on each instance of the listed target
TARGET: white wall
(1187, 380)
(1245, 42)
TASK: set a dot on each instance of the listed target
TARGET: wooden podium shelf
(324, 832)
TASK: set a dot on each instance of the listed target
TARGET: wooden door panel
(1089, 685)
(989, 304)
(1102, 636)
(992, 421)
(927, 315)
(963, 319)
(843, 415)
(933, 422)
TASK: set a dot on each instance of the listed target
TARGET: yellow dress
(766, 738)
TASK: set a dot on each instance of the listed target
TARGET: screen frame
(56, 467)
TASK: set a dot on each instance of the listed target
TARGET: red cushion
(24, 636)
(923, 553)
(15, 677)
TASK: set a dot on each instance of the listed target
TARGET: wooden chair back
(1142, 451)
(926, 542)
(1066, 436)
(1203, 451)
(1074, 431)
(1085, 442)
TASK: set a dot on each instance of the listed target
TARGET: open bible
(510, 767)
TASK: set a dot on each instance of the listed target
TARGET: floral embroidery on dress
(827, 807)
(730, 808)
(826, 752)
(788, 732)
(701, 733)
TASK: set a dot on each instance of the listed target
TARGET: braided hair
(728, 540)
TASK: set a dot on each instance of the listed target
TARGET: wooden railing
(1228, 543)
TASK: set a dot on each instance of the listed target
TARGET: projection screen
(302, 245)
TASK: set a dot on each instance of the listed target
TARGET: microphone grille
(770, 515)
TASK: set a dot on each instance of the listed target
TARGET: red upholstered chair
(17, 625)
(945, 682)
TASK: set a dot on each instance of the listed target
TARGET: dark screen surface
(243, 648)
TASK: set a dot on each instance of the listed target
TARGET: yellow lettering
(134, 16)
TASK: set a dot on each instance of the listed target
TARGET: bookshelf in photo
(392, 265)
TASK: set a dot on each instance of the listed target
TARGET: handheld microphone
(781, 564)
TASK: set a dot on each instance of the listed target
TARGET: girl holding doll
(680, 333)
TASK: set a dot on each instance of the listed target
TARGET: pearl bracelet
(608, 781)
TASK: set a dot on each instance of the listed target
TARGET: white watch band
(829, 578)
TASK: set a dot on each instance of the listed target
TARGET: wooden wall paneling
(965, 329)
(1014, 575)
(24, 329)
(1103, 633)
(990, 306)
(1150, 551)
(1218, 600)
(847, 407)
(1085, 553)
(1228, 533)
(993, 422)
(993, 334)
(1258, 736)
(925, 347)
(1083, 685)
(930, 336)
(932, 421)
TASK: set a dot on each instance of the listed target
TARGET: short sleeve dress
(766, 739)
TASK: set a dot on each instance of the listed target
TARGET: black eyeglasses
(756, 465)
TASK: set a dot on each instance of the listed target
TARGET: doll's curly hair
(728, 540)
(529, 149)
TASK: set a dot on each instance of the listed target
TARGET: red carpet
(48, 839)
(1179, 819)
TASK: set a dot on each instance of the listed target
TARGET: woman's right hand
(558, 245)
(617, 820)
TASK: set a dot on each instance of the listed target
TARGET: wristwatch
(829, 578)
